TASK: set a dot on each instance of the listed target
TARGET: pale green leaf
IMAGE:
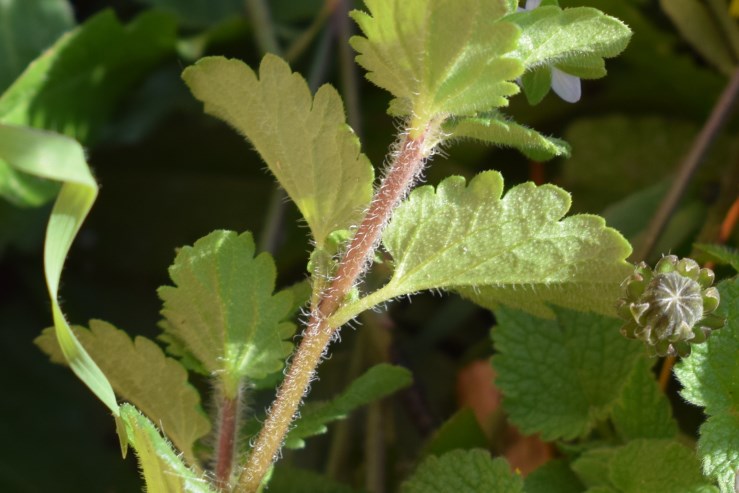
(657, 465)
(710, 378)
(162, 468)
(553, 477)
(304, 140)
(497, 130)
(437, 57)
(550, 35)
(585, 67)
(463, 471)
(643, 410)
(141, 374)
(223, 310)
(55, 157)
(379, 381)
(698, 26)
(515, 250)
(28, 28)
(560, 377)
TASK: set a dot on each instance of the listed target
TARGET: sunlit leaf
(515, 249)
(560, 377)
(55, 157)
(495, 129)
(304, 140)
(223, 310)
(162, 468)
(141, 374)
(439, 58)
(463, 471)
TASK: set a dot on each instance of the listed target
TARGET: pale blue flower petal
(566, 86)
(532, 4)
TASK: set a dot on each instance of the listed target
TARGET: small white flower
(564, 85)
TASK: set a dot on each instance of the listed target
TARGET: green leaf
(461, 431)
(552, 35)
(657, 465)
(497, 130)
(697, 25)
(721, 254)
(379, 381)
(438, 58)
(74, 86)
(710, 378)
(592, 467)
(292, 480)
(560, 377)
(463, 471)
(28, 28)
(537, 83)
(162, 468)
(141, 374)
(60, 159)
(553, 477)
(513, 250)
(223, 310)
(643, 410)
(305, 141)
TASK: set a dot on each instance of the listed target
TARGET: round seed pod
(669, 307)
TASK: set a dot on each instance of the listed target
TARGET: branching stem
(401, 175)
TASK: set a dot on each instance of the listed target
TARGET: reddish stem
(226, 447)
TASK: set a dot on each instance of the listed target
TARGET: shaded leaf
(199, 13)
(710, 378)
(437, 57)
(28, 29)
(162, 468)
(461, 431)
(304, 140)
(463, 471)
(140, 373)
(560, 377)
(721, 254)
(643, 410)
(291, 480)
(223, 311)
(377, 382)
(553, 477)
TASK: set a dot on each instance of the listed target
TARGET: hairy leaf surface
(379, 381)
(463, 471)
(496, 130)
(710, 378)
(515, 250)
(141, 374)
(162, 468)
(223, 310)
(304, 140)
(560, 377)
(643, 410)
(437, 57)
(550, 35)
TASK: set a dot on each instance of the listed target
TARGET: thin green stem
(407, 165)
(264, 30)
(301, 44)
(689, 165)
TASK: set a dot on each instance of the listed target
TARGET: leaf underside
(304, 140)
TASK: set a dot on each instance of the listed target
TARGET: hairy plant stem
(228, 419)
(405, 169)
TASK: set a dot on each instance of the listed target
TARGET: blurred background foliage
(170, 174)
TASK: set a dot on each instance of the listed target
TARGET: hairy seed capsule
(669, 307)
